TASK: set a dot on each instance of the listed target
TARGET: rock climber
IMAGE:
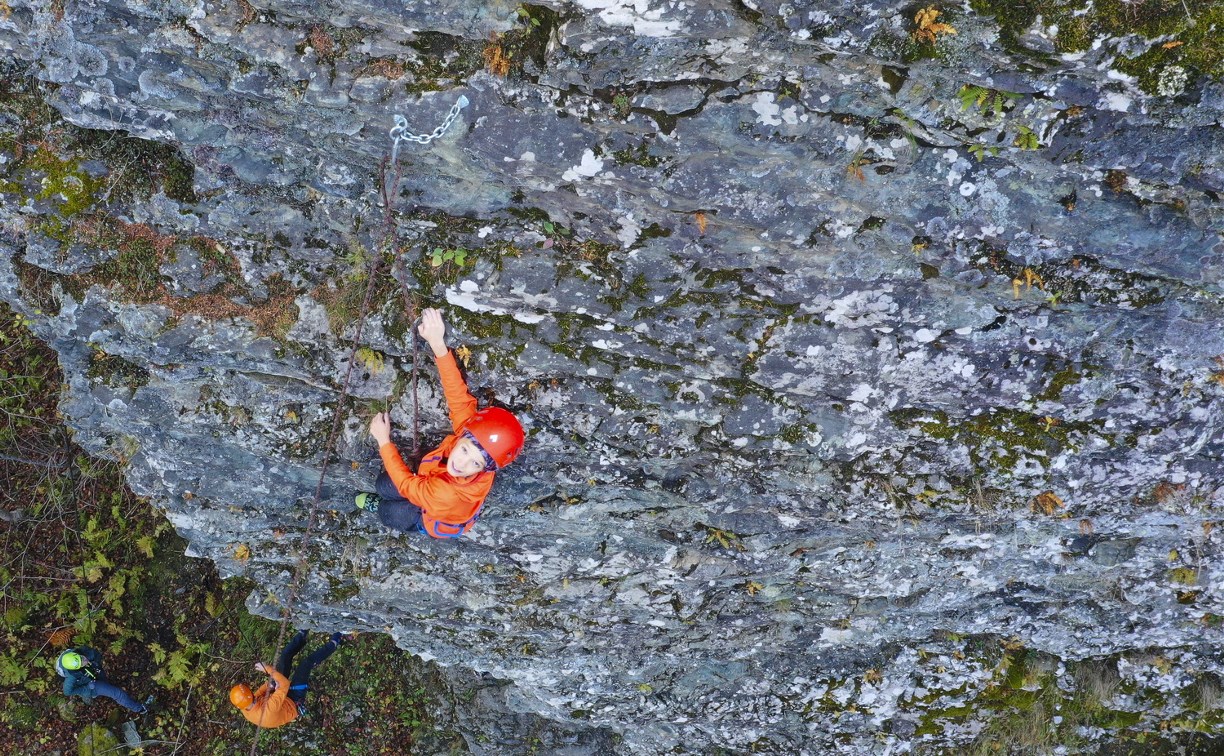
(280, 701)
(81, 668)
(444, 496)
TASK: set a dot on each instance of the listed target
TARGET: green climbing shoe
(367, 502)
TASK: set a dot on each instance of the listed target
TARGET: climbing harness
(398, 133)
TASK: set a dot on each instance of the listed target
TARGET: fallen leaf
(701, 221)
(1046, 503)
(464, 354)
(1171, 45)
(928, 27)
(242, 552)
(61, 638)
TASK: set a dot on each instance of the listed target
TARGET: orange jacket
(272, 710)
(448, 504)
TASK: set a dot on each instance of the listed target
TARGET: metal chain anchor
(400, 132)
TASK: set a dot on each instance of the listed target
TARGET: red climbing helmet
(498, 432)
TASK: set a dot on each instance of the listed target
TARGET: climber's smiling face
(466, 458)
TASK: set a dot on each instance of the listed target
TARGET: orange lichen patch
(497, 60)
(700, 217)
(1047, 503)
(1218, 375)
(1165, 490)
(927, 28)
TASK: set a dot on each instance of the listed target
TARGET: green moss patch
(1189, 36)
(115, 371)
(998, 438)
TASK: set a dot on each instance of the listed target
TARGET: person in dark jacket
(81, 668)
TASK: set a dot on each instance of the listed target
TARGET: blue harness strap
(459, 529)
(298, 687)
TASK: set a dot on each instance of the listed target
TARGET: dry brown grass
(388, 68)
(248, 13)
(497, 61)
(322, 42)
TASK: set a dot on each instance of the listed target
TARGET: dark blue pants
(395, 511)
(117, 694)
(300, 682)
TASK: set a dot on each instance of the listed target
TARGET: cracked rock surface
(843, 356)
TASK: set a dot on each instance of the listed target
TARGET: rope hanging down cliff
(389, 190)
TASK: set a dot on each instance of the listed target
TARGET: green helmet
(71, 660)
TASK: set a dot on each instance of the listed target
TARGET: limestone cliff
(870, 359)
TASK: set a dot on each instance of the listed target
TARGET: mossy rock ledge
(873, 374)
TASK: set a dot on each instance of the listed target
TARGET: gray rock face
(836, 359)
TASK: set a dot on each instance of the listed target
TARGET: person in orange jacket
(279, 701)
(444, 496)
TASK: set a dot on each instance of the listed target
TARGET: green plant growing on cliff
(371, 359)
(1026, 138)
(724, 538)
(342, 299)
(992, 103)
(442, 256)
(980, 151)
(1176, 34)
(622, 104)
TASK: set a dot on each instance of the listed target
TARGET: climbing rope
(389, 188)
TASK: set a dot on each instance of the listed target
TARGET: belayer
(280, 701)
(444, 496)
(81, 668)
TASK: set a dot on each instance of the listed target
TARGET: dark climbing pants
(299, 683)
(117, 694)
(394, 510)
